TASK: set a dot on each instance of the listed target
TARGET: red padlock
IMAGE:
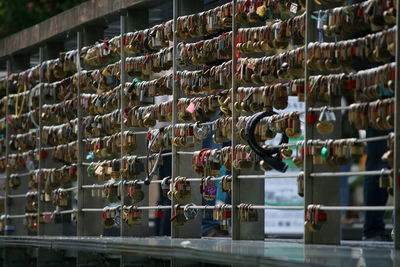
(311, 117)
(43, 154)
(103, 216)
(159, 213)
(320, 216)
(73, 170)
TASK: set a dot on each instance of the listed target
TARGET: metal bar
(7, 187)
(396, 167)
(39, 138)
(68, 189)
(97, 186)
(187, 179)
(122, 103)
(66, 211)
(200, 179)
(235, 197)
(360, 140)
(92, 210)
(17, 196)
(162, 155)
(298, 143)
(329, 108)
(22, 216)
(94, 186)
(269, 207)
(140, 157)
(151, 182)
(100, 185)
(266, 176)
(20, 174)
(207, 207)
(355, 173)
(175, 95)
(190, 153)
(89, 139)
(155, 208)
(152, 207)
(308, 134)
(80, 167)
(100, 210)
(355, 208)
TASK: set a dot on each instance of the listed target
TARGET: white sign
(283, 192)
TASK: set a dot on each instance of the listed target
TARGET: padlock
(325, 125)
(315, 218)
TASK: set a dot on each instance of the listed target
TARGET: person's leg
(344, 187)
(374, 225)
(374, 196)
(163, 225)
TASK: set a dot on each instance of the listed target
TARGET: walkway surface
(225, 251)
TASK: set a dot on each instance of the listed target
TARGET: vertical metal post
(87, 35)
(396, 176)
(181, 164)
(123, 81)
(80, 171)
(235, 180)
(7, 137)
(175, 95)
(132, 20)
(308, 166)
(39, 141)
(319, 191)
(240, 191)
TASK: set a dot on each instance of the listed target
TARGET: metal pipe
(358, 173)
(123, 230)
(360, 140)
(93, 186)
(353, 208)
(80, 169)
(155, 208)
(67, 189)
(175, 96)
(235, 196)
(266, 176)
(22, 216)
(396, 167)
(89, 139)
(140, 157)
(185, 153)
(92, 210)
(66, 211)
(205, 207)
(7, 174)
(151, 182)
(162, 155)
(17, 196)
(329, 108)
(20, 174)
(100, 210)
(39, 137)
(269, 207)
(201, 179)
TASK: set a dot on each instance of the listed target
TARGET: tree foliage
(16, 15)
